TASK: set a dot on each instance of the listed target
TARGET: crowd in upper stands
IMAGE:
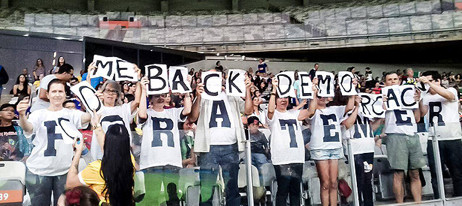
(160, 134)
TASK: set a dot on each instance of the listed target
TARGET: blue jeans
(40, 188)
(258, 159)
(226, 156)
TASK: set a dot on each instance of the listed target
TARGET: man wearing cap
(258, 143)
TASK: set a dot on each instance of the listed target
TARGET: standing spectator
(65, 74)
(313, 71)
(161, 123)
(13, 143)
(61, 62)
(287, 145)
(51, 156)
(359, 130)
(39, 70)
(218, 66)
(378, 88)
(3, 78)
(325, 144)
(262, 67)
(219, 139)
(21, 87)
(439, 107)
(114, 111)
(258, 112)
(403, 145)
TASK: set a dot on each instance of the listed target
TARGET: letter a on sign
(286, 84)
(235, 84)
(87, 96)
(346, 83)
(157, 76)
(212, 85)
(178, 80)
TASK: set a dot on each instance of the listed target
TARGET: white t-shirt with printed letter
(53, 151)
(325, 128)
(286, 143)
(360, 135)
(111, 115)
(443, 115)
(221, 123)
(400, 121)
(160, 145)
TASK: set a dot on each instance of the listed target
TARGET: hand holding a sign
(144, 83)
(199, 89)
(417, 95)
(79, 145)
(22, 107)
(138, 71)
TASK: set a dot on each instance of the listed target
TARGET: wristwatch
(96, 126)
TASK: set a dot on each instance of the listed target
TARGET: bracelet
(273, 94)
(96, 126)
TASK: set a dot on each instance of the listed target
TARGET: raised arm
(90, 70)
(350, 121)
(438, 89)
(195, 109)
(417, 111)
(272, 100)
(135, 103)
(142, 112)
(73, 174)
(187, 104)
(97, 129)
(23, 122)
(248, 97)
(314, 102)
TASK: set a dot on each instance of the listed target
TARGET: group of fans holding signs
(334, 112)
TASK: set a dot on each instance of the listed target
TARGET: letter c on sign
(206, 90)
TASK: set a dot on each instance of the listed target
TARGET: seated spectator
(187, 145)
(13, 143)
(21, 86)
(259, 143)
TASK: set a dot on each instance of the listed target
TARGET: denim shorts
(327, 154)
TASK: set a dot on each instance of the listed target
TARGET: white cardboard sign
(212, 85)
(345, 81)
(325, 84)
(235, 84)
(178, 79)
(157, 76)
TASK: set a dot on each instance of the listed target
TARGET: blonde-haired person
(113, 110)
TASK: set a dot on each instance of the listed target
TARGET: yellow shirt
(92, 178)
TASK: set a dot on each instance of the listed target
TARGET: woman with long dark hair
(39, 70)
(112, 177)
(61, 62)
(22, 86)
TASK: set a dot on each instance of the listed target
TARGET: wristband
(273, 94)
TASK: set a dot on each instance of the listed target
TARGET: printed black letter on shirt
(52, 136)
(157, 130)
(329, 126)
(222, 115)
(435, 111)
(399, 118)
(290, 126)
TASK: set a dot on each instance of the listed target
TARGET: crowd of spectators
(160, 134)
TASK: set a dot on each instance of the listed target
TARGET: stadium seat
(189, 185)
(12, 182)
